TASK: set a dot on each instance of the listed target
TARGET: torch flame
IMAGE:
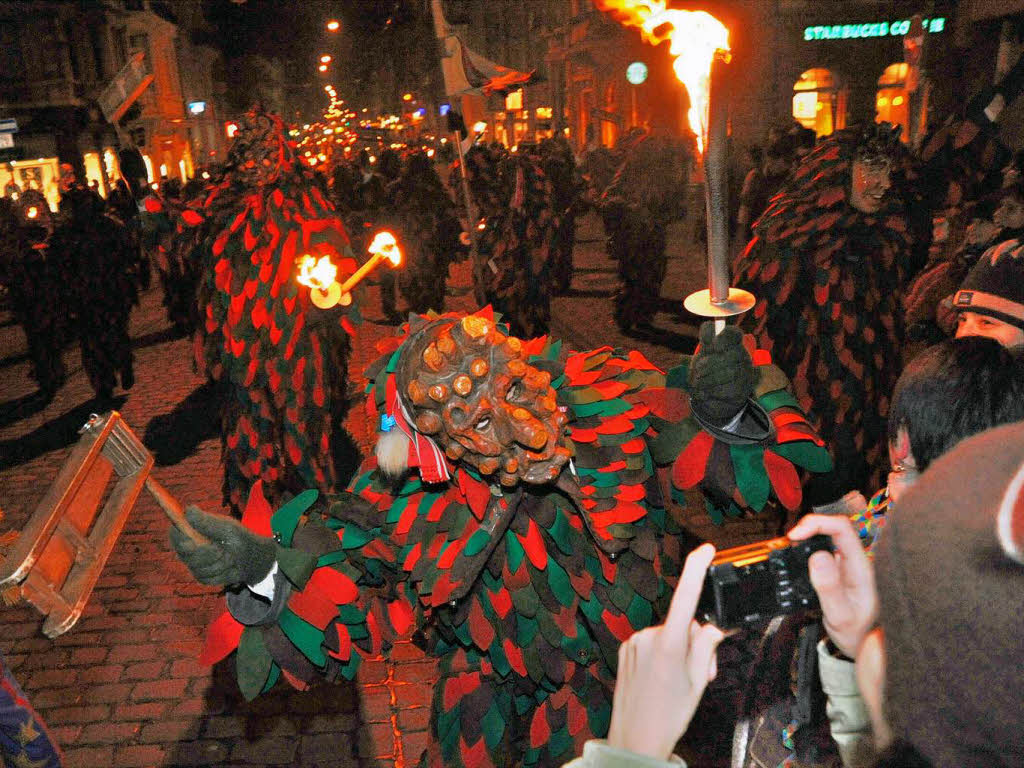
(694, 37)
(316, 273)
(33, 212)
(385, 244)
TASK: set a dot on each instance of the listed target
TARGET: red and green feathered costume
(828, 281)
(524, 593)
(524, 596)
(284, 363)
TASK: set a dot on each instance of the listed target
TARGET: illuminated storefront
(819, 103)
(42, 173)
(892, 104)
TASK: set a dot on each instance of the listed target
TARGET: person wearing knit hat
(949, 604)
(990, 301)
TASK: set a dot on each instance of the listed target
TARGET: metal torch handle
(173, 509)
(716, 160)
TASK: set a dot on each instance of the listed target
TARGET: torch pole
(719, 301)
(471, 211)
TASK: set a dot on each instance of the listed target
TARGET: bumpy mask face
(469, 387)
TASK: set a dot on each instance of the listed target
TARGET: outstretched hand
(721, 377)
(664, 670)
(844, 581)
(233, 554)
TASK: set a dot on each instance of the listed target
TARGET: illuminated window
(149, 168)
(819, 103)
(514, 101)
(892, 102)
(93, 173)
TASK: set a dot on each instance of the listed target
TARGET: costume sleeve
(736, 476)
(337, 598)
(847, 715)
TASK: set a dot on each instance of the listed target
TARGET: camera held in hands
(749, 584)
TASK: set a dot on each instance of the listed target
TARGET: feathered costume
(521, 565)
(285, 366)
(512, 268)
(828, 283)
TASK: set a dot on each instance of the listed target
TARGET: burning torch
(320, 274)
(719, 300)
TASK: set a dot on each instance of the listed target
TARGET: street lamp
(407, 97)
(322, 67)
(325, 59)
(333, 25)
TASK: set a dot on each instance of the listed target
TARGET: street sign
(8, 125)
(6, 140)
(636, 73)
(125, 88)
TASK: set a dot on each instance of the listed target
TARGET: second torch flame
(319, 275)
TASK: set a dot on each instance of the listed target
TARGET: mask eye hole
(483, 424)
(514, 391)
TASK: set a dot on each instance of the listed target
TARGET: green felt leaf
(477, 542)
(304, 636)
(493, 725)
(526, 631)
(354, 537)
(516, 553)
(561, 533)
(777, 399)
(676, 377)
(640, 613)
(599, 718)
(498, 658)
(806, 455)
(605, 408)
(286, 519)
(331, 558)
(252, 663)
(275, 675)
(667, 446)
(559, 742)
(592, 609)
(525, 601)
(558, 579)
(751, 477)
(716, 515)
(296, 565)
(524, 704)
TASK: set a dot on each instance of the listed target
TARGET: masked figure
(512, 517)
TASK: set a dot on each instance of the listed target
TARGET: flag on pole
(466, 71)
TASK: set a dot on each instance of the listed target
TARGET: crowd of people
(515, 513)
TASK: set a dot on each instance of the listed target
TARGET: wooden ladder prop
(59, 555)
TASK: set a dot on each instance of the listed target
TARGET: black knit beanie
(952, 610)
(995, 285)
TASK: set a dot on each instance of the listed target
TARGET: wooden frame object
(59, 555)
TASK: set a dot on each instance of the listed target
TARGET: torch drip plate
(700, 303)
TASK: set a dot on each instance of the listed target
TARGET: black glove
(722, 376)
(234, 554)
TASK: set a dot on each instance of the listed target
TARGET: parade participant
(24, 738)
(827, 266)
(511, 516)
(36, 286)
(642, 199)
(512, 271)
(377, 192)
(100, 272)
(285, 369)
(567, 187)
(425, 220)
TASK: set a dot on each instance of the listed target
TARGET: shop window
(819, 101)
(892, 102)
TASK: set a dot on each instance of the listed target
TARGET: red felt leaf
(502, 602)
(453, 550)
(221, 639)
(618, 625)
(452, 693)
(476, 493)
(190, 217)
(630, 493)
(313, 606)
(616, 425)
(475, 755)
(293, 681)
(334, 585)
(514, 654)
(480, 628)
(258, 512)
(534, 546)
(668, 403)
(577, 716)
(784, 479)
(414, 554)
(400, 616)
(344, 651)
(540, 731)
(634, 446)
(761, 357)
(581, 435)
(691, 464)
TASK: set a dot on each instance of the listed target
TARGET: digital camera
(749, 584)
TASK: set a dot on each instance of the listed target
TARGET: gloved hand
(234, 554)
(721, 376)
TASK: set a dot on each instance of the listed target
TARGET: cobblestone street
(123, 687)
